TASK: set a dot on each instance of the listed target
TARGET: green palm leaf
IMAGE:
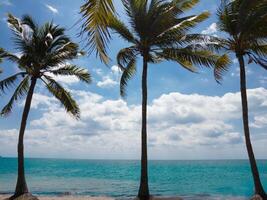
(9, 82)
(119, 27)
(125, 56)
(96, 15)
(10, 56)
(73, 70)
(189, 23)
(127, 74)
(221, 67)
(15, 24)
(187, 4)
(20, 91)
(63, 96)
(188, 57)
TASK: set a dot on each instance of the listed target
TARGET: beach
(70, 197)
(2, 197)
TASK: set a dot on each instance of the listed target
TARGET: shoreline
(88, 197)
(65, 197)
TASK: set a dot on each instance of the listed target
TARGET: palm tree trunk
(21, 187)
(143, 193)
(257, 182)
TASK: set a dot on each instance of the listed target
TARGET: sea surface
(193, 180)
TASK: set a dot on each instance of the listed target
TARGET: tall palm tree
(245, 23)
(156, 33)
(44, 53)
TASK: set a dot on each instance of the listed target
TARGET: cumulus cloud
(211, 29)
(52, 9)
(110, 79)
(115, 69)
(260, 121)
(66, 79)
(107, 82)
(180, 126)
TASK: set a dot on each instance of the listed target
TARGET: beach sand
(3, 197)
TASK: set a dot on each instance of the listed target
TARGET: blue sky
(190, 115)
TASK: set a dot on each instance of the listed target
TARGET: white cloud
(52, 9)
(180, 126)
(110, 79)
(107, 82)
(260, 121)
(67, 79)
(115, 69)
(211, 29)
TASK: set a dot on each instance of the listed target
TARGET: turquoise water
(192, 179)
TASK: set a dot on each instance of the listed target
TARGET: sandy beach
(2, 197)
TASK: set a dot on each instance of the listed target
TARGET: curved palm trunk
(143, 193)
(21, 187)
(257, 182)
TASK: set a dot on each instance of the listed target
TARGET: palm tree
(44, 53)
(156, 33)
(245, 23)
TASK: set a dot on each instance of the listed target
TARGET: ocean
(209, 179)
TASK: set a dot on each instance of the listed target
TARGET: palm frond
(27, 20)
(227, 18)
(20, 91)
(15, 24)
(125, 56)
(260, 50)
(190, 23)
(127, 74)
(221, 67)
(63, 96)
(65, 52)
(9, 82)
(73, 70)
(188, 57)
(119, 27)
(136, 11)
(171, 55)
(9, 56)
(96, 15)
(186, 4)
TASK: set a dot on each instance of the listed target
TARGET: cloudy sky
(190, 116)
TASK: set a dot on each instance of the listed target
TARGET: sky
(190, 116)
